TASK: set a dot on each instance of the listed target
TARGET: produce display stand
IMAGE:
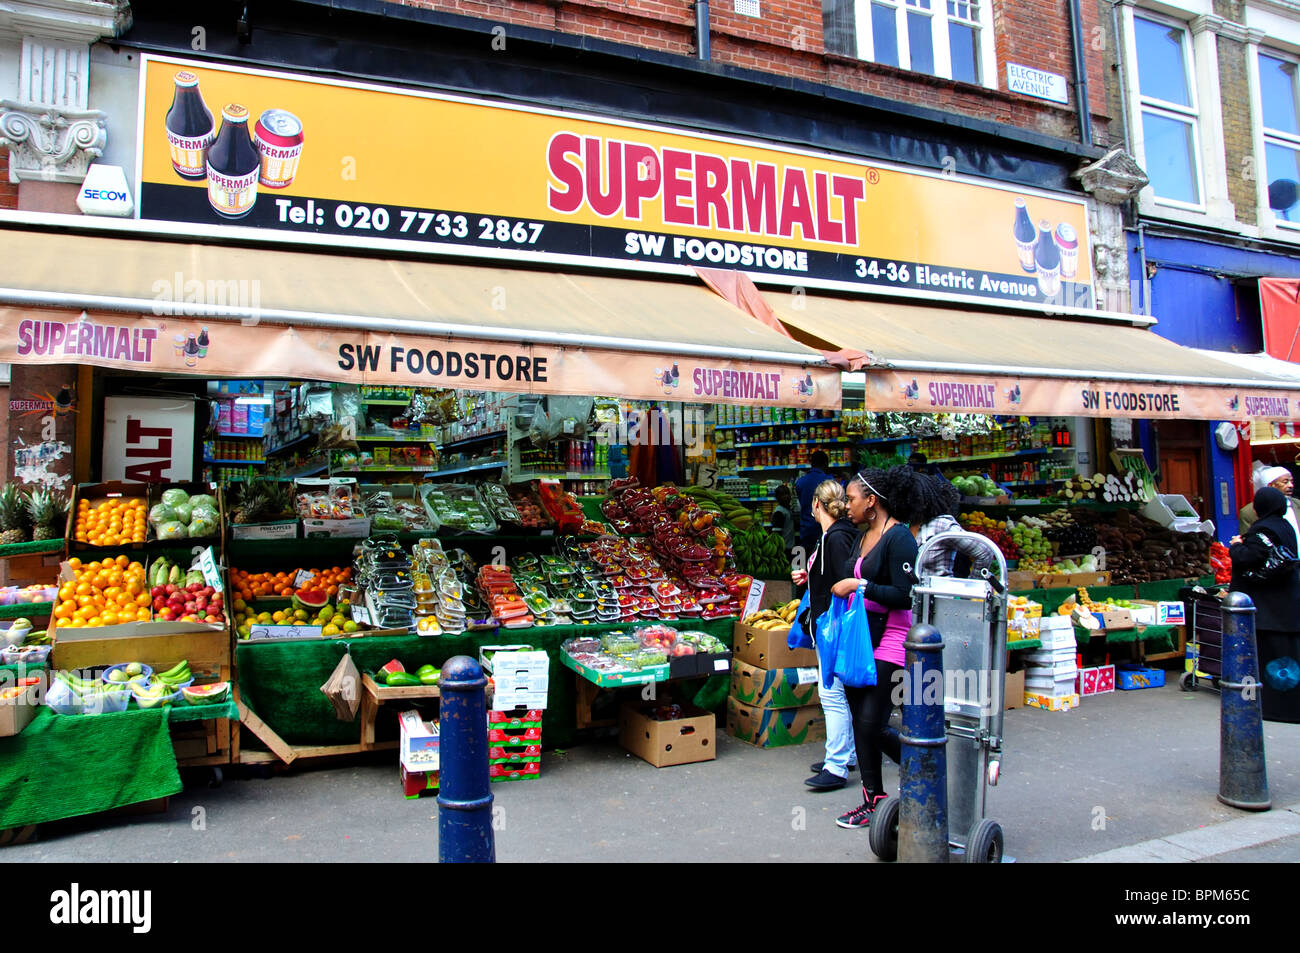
(279, 682)
(30, 563)
(213, 743)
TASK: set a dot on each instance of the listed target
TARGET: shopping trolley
(1205, 638)
(971, 615)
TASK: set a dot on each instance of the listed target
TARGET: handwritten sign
(211, 571)
(285, 632)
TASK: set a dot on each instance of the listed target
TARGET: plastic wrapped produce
(174, 496)
(174, 529)
(162, 513)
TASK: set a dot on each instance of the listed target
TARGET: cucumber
(430, 678)
(402, 680)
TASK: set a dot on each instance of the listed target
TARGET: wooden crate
(196, 743)
(208, 652)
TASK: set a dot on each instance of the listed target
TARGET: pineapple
(47, 510)
(13, 514)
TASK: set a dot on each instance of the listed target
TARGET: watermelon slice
(206, 694)
(310, 599)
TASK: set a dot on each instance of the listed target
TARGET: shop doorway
(1182, 462)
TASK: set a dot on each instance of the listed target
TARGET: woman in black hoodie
(838, 540)
(1277, 606)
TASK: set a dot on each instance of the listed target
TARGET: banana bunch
(778, 617)
(721, 504)
(761, 553)
(175, 676)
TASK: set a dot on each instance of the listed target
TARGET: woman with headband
(880, 572)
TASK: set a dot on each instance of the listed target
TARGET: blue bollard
(1243, 772)
(464, 791)
(923, 770)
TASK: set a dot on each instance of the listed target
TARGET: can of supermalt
(278, 136)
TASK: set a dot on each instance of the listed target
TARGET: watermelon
(206, 694)
(310, 599)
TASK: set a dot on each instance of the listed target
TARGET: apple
(159, 602)
(165, 613)
(171, 588)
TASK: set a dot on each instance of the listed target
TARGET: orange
(123, 561)
(64, 610)
(108, 618)
(142, 615)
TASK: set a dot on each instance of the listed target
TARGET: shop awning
(273, 313)
(951, 360)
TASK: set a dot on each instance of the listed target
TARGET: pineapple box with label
(773, 688)
(775, 727)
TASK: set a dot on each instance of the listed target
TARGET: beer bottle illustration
(1047, 260)
(203, 343)
(233, 165)
(1026, 235)
(189, 128)
(191, 351)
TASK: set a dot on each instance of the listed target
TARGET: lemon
(349, 626)
(330, 629)
(302, 615)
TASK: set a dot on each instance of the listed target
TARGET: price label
(211, 571)
(304, 576)
(707, 476)
(360, 615)
(722, 665)
(285, 632)
(756, 589)
(807, 675)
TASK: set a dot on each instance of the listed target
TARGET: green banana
(182, 666)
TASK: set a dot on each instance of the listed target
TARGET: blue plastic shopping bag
(855, 659)
(798, 638)
(828, 639)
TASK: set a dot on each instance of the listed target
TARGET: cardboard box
(1171, 613)
(515, 736)
(1052, 683)
(514, 718)
(336, 529)
(1073, 580)
(775, 727)
(514, 754)
(766, 648)
(514, 772)
(1134, 677)
(281, 529)
(17, 713)
(652, 673)
(1144, 614)
(516, 697)
(532, 659)
(415, 783)
(1018, 580)
(1051, 702)
(1114, 619)
(773, 688)
(1013, 695)
(1061, 638)
(419, 749)
(685, 740)
(1099, 680)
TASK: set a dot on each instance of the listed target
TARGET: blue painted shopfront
(1203, 294)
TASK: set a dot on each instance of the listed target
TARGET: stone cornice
(69, 21)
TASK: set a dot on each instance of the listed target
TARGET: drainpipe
(1080, 74)
(1142, 263)
(702, 29)
(1122, 75)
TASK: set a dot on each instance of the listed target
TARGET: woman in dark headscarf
(1277, 605)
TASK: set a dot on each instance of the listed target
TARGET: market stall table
(63, 766)
(280, 682)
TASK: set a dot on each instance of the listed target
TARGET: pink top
(896, 627)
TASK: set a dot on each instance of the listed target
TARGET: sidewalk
(1126, 777)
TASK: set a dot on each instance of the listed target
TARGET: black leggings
(872, 736)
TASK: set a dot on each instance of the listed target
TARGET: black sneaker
(821, 764)
(826, 781)
(860, 817)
